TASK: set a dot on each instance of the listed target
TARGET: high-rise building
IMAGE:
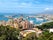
(25, 24)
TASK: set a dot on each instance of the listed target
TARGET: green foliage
(46, 36)
(30, 36)
(8, 33)
(46, 25)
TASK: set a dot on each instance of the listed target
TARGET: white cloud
(48, 9)
(25, 5)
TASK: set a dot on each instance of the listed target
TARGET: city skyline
(25, 6)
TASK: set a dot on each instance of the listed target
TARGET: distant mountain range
(48, 12)
(44, 12)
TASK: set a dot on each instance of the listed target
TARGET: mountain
(48, 12)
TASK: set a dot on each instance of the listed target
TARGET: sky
(25, 6)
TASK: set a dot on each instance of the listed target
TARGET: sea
(34, 20)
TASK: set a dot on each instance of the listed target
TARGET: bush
(8, 33)
(46, 25)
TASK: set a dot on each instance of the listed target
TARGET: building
(9, 22)
(3, 23)
(31, 24)
(26, 32)
(24, 24)
(35, 30)
(16, 25)
(51, 30)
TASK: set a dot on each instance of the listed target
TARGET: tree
(30, 36)
(8, 33)
(46, 25)
(46, 36)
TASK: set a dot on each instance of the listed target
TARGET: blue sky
(25, 6)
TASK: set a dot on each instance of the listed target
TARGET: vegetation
(46, 36)
(46, 26)
(8, 33)
(30, 36)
